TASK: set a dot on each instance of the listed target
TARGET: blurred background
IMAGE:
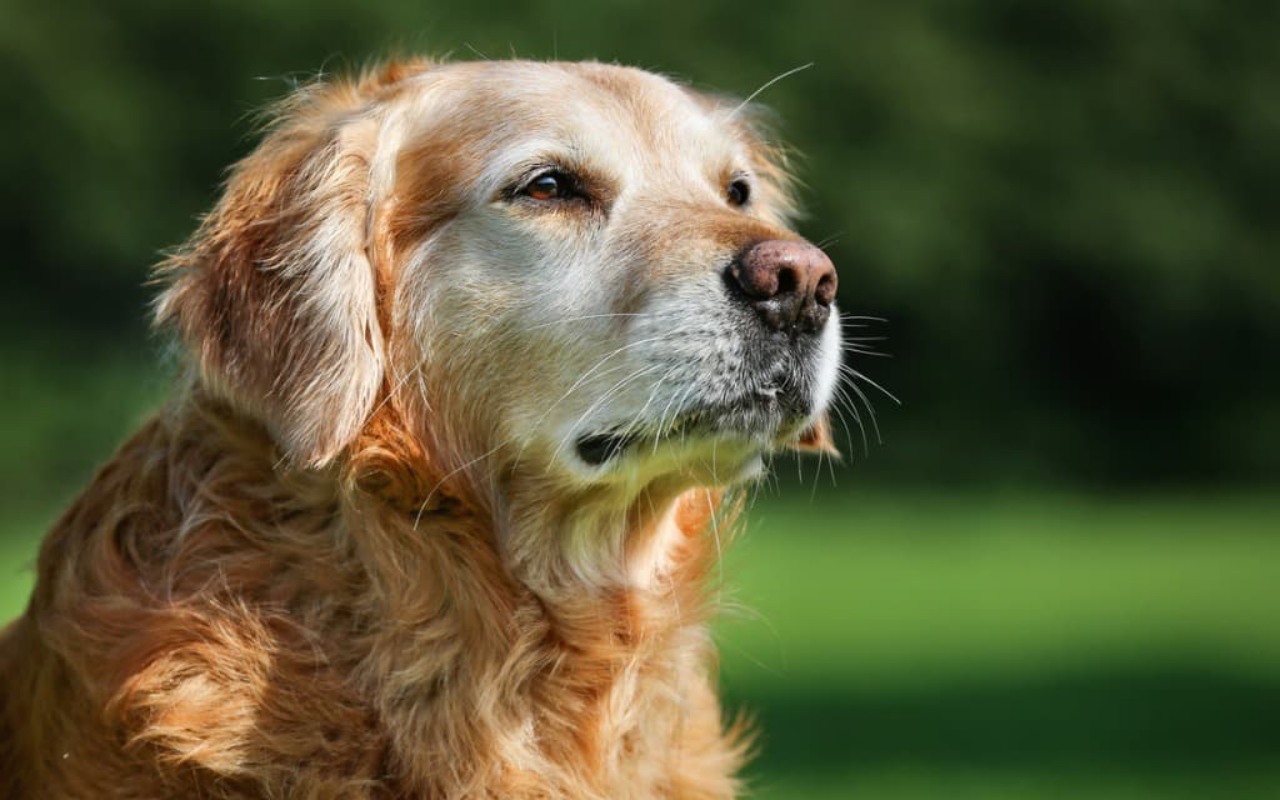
(1059, 574)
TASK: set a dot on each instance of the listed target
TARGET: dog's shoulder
(167, 625)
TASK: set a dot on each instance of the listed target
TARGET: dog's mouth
(761, 417)
(599, 449)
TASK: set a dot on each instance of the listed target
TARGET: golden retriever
(472, 351)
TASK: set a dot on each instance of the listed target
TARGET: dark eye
(550, 185)
(739, 192)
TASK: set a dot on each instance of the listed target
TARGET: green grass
(926, 646)
(904, 646)
(957, 586)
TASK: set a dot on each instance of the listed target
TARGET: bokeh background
(1059, 574)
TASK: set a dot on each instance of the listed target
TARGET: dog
(472, 353)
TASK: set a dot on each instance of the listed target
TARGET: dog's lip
(759, 411)
(601, 448)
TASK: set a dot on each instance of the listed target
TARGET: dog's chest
(549, 718)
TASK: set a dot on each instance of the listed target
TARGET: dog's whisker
(871, 411)
(828, 241)
(858, 376)
(613, 354)
(586, 375)
(766, 85)
(397, 386)
(680, 400)
(604, 398)
(817, 477)
(862, 351)
(675, 403)
(844, 401)
(555, 404)
(565, 320)
(452, 473)
(715, 532)
(476, 52)
(636, 425)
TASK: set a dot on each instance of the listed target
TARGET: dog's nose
(790, 284)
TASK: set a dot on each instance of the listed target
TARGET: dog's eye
(550, 185)
(738, 192)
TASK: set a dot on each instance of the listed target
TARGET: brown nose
(790, 284)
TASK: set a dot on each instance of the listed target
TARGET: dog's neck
(601, 540)
(547, 613)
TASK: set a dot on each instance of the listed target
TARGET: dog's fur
(356, 556)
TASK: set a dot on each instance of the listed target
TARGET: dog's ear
(817, 438)
(275, 296)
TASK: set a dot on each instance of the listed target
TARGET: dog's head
(579, 270)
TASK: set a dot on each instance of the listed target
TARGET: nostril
(788, 280)
(756, 279)
(825, 293)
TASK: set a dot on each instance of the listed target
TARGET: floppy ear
(274, 295)
(817, 438)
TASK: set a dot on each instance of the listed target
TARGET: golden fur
(339, 563)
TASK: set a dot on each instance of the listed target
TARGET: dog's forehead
(625, 112)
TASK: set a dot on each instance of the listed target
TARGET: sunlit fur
(356, 556)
